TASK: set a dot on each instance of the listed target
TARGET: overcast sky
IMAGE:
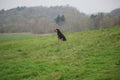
(86, 6)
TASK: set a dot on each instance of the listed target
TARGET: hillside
(89, 55)
(42, 20)
(37, 19)
(115, 12)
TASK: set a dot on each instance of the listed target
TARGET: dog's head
(56, 30)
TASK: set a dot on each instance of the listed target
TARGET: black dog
(60, 35)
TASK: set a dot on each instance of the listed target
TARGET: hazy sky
(86, 6)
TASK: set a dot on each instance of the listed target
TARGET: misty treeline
(45, 20)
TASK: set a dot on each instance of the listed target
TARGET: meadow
(88, 55)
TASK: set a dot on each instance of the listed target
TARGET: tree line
(45, 19)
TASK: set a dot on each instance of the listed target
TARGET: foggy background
(86, 6)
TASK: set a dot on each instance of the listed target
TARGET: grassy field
(89, 55)
(15, 36)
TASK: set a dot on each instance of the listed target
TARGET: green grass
(15, 36)
(90, 55)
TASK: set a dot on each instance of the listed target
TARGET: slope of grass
(90, 55)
